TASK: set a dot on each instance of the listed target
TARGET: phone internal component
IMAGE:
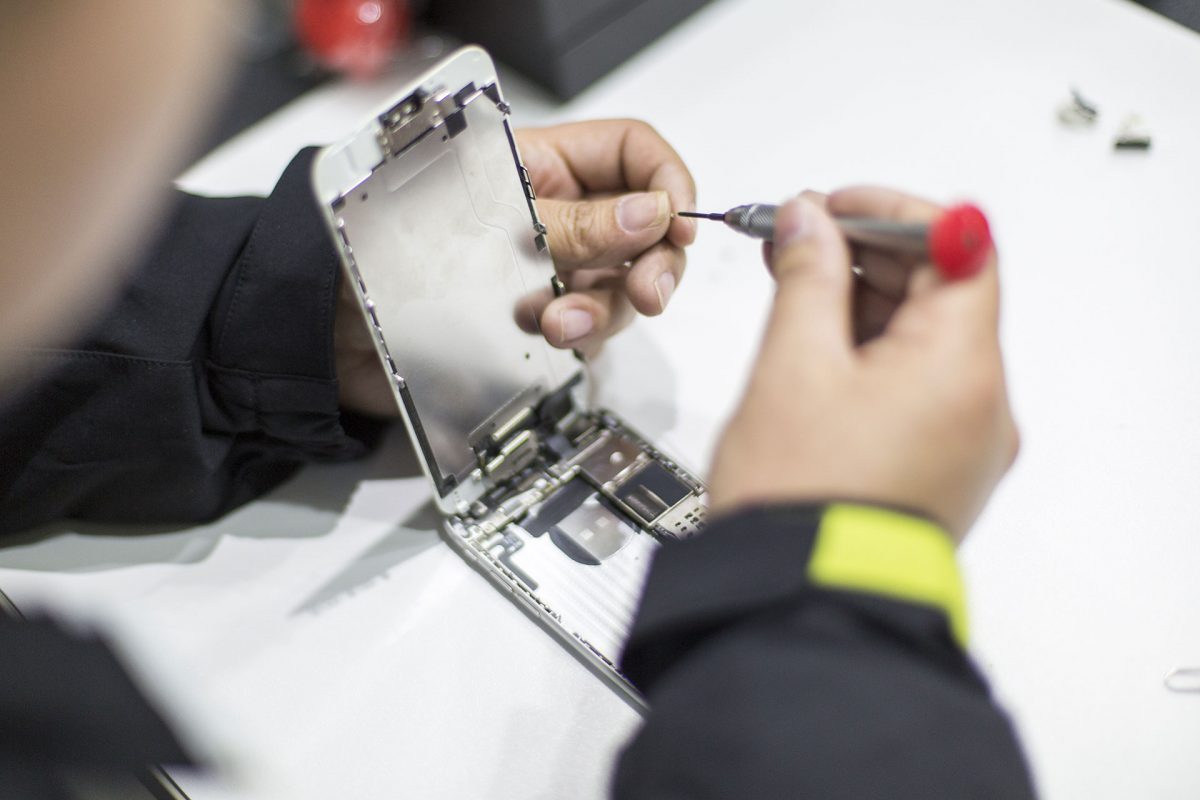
(591, 533)
(651, 492)
(685, 519)
(503, 551)
(557, 507)
(607, 457)
(596, 604)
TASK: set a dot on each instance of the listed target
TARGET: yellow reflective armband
(879, 551)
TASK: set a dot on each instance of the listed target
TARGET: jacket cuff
(275, 310)
(892, 554)
(271, 364)
(762, 560)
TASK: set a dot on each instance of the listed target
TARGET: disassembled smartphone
(559, 504)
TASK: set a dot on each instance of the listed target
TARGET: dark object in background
(564, 45)
(1133, 134)
(1078, 111)
(269, 71)
(1185, 12)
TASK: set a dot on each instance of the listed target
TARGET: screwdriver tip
(699, 215)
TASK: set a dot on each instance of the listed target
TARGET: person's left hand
(606, 191)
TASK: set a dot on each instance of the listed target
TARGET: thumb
(811, 262)
(604, 233)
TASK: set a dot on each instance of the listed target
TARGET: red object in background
(357, 37)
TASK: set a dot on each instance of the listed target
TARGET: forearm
(780, 663)
(209, 382)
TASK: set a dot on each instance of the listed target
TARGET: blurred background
(287, 47)
(290, 46)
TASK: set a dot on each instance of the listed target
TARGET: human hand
(606, 190)
(887, 387)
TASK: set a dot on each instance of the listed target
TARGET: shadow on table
(634, 378)
(410, 538)
(307, 506)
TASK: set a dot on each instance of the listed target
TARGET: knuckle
(640, 126)
(1014, 444)
(792, 261)
(578, 220)
(801, 265)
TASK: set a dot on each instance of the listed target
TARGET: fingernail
(665, 286)
(637, 212)
(795, 221)
(575, 324)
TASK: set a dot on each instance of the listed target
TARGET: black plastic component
(651, 491)
(460, 97)
(1132, 143)
(492, 92)
(456, 123)
(557, 405)
(444, 483)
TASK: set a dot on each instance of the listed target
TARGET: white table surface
(348, 653)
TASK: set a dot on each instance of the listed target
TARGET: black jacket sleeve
(210, 381)
(762, 685)
(67, 701)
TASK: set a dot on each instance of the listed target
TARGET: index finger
(971, 304)
(620, 155)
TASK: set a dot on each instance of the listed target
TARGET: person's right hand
(891, 391)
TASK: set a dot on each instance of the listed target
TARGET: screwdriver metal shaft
(957, 242)
(757, 220)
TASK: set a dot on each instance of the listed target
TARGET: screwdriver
(957, 242)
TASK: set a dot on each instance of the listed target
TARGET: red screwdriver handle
(960, 241)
